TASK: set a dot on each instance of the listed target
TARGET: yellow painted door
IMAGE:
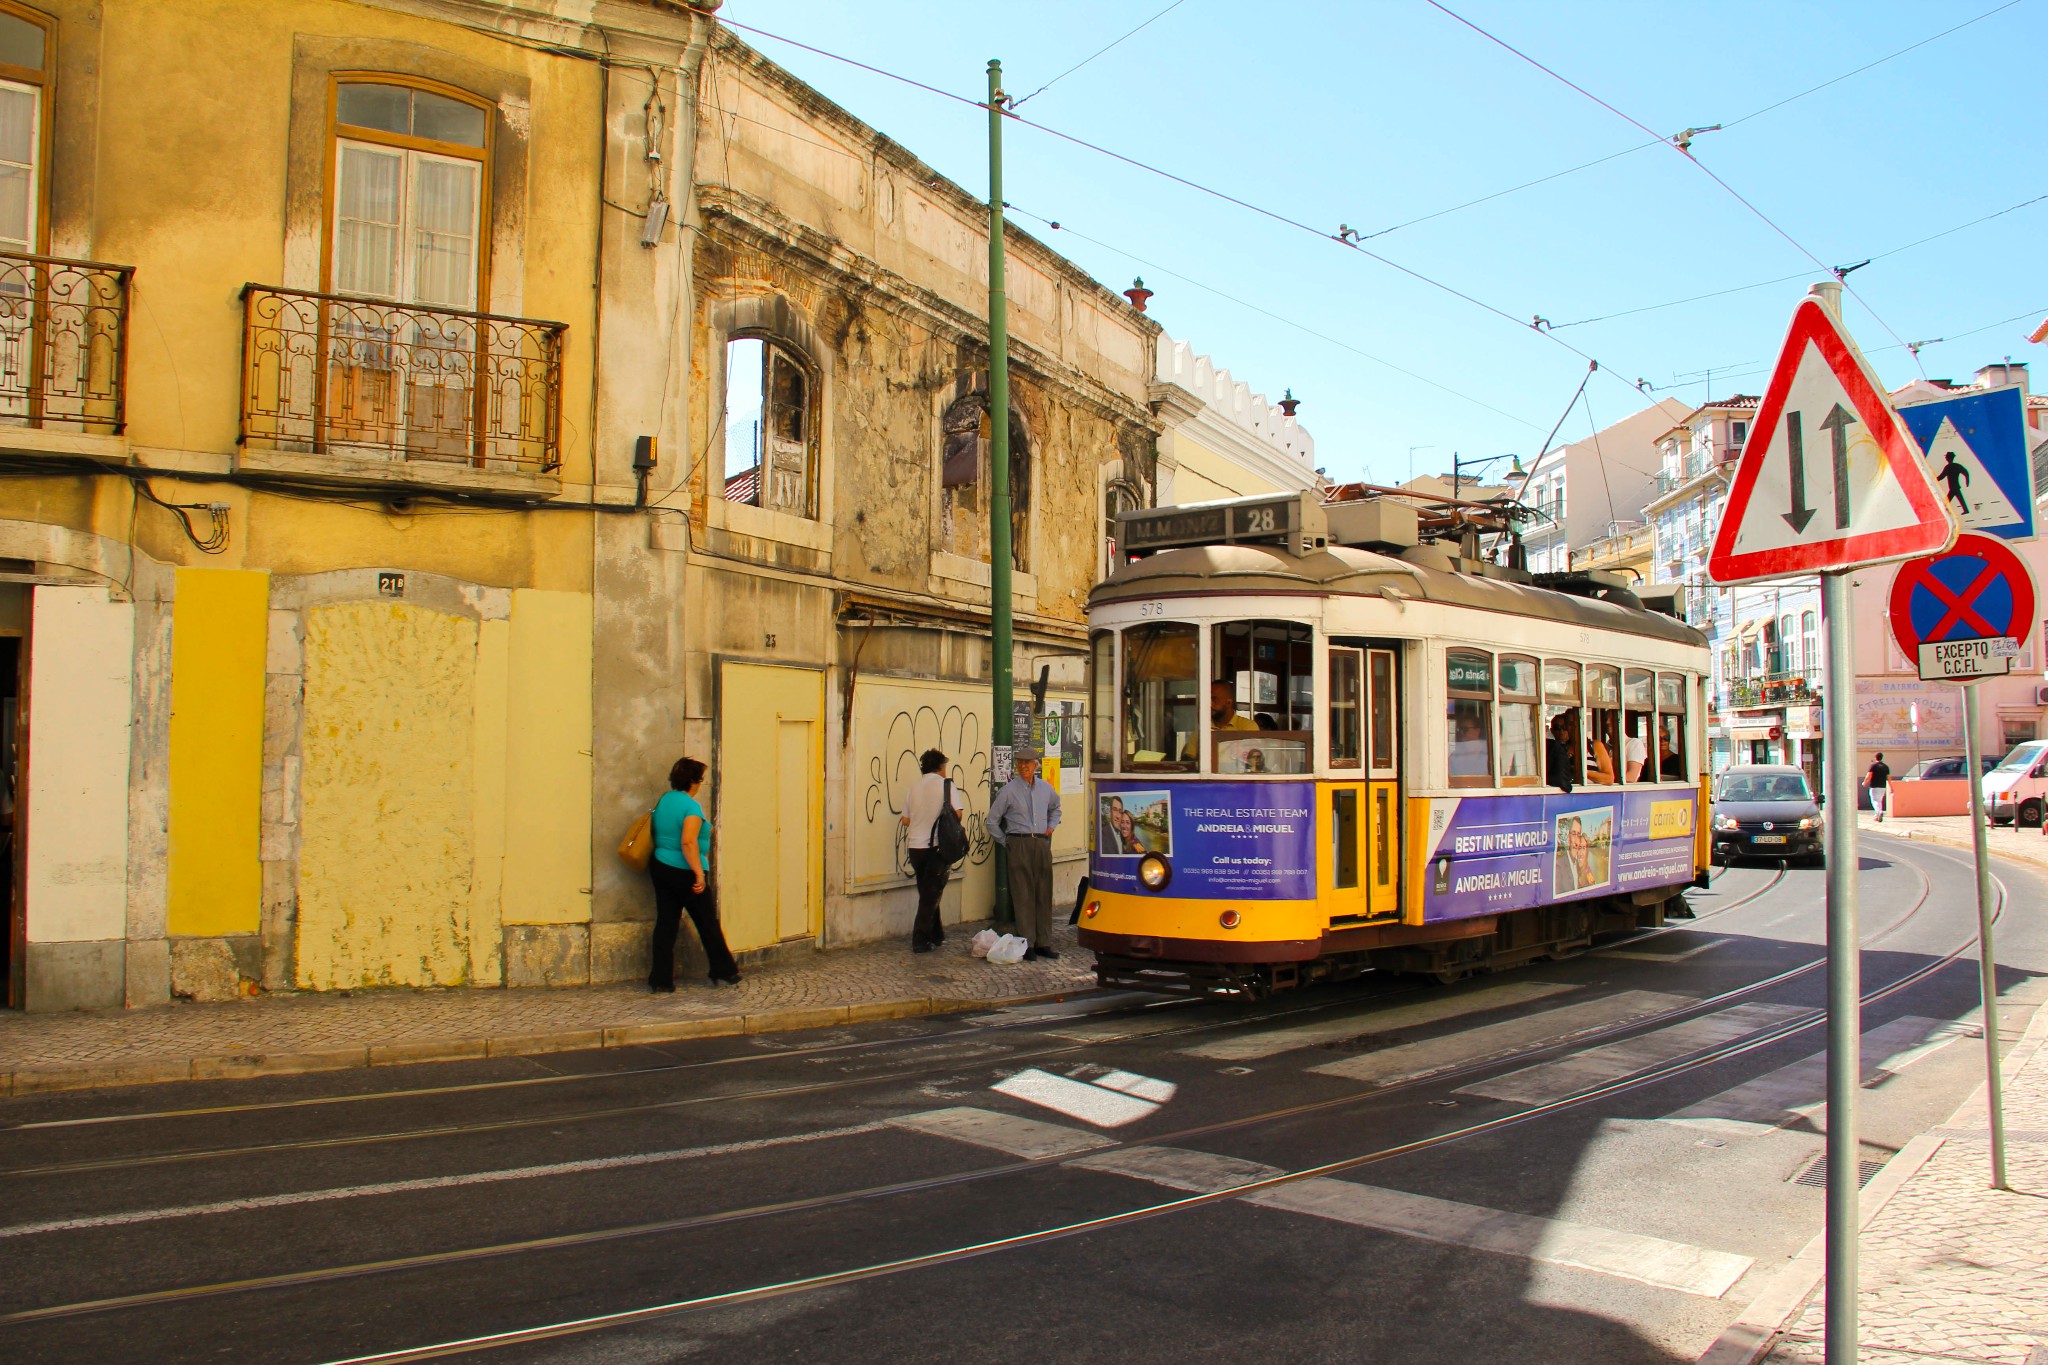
(769, 803)
(793, 841)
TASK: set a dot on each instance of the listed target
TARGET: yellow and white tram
(1312, 753)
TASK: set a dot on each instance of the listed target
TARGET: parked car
(2018, 787)
(1767, 810)
(1936, 769)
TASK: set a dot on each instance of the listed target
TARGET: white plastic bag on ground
(1008, 949)
(982, 942)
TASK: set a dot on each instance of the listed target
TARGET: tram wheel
(1450, 976)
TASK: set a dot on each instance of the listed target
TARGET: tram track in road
(1681, 1066)
(964, 1034)
(826, 1202)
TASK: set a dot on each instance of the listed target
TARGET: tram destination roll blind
(1276, 520)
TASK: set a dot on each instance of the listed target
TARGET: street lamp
(1458, 468)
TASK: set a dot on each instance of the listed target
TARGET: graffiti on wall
(893, 766)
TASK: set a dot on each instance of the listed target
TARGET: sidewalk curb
(1960, 845)
(248, 1065)
(1750, 1338)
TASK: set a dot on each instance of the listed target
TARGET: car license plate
(1770, 838)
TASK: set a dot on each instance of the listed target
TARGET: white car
(2018, 787)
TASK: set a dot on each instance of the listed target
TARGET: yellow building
(1220, 439)
(375, 532)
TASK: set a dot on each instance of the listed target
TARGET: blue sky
(1378, 112)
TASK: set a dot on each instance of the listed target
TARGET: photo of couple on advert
(1584, 844)
(1132, 824)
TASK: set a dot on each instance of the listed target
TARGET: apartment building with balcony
(419, 427)
(1765, 698)
(1577, 492)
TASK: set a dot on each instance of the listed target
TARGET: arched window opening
(1119, 497)
(768, 444)
(965, 454)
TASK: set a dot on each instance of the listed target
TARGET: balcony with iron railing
(1789, 687)
(63, 344)
(363, 383)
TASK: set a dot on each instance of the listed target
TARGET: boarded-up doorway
(769, 801)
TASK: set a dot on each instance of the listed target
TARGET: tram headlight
(1154, 872)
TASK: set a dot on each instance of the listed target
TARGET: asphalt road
(1589, 1160)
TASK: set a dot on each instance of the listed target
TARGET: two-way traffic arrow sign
(1880, 502)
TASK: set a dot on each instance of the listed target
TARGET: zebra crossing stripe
(1353, 1024)
(1624, 1255)
(1792, 1092)
(1409, 1061)
(1548, 1081)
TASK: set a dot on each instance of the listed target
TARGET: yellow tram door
(1346, 876)
(1383, 783)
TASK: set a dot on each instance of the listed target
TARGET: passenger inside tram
(1469, 757)
(1561, 749)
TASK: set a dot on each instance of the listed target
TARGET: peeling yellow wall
(547, 760)
(387, 845)
(219, 626)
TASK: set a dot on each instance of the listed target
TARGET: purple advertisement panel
(1227, 840)
(1487, 854)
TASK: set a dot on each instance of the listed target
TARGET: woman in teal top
(681, 872)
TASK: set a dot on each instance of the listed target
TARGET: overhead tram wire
(1782, 279)
(1342, 237)
(1118, 43)
(1687, 154)
(1158, 269)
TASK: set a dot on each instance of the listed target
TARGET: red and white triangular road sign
(1830, 477)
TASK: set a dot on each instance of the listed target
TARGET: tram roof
(1347, 571)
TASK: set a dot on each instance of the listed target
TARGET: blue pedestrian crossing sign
(1975, 445)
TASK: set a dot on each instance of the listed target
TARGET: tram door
(1361, 804)
(1383, 782)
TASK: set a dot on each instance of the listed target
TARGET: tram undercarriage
(1442, 953)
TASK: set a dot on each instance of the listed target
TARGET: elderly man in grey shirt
(1022, 818)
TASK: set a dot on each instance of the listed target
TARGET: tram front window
(1160, 698)
(1262, 697)
(1102, 702)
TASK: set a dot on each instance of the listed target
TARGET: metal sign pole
(1845, 1067)
(1987, 958)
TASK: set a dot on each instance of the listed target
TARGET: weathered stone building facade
(835, 612)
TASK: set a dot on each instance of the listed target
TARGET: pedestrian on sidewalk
(1022, 818)
(1880, 779)
(922, 805)
(681, 872)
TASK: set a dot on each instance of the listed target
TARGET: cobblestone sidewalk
(277, 1034)
(1952, 1269)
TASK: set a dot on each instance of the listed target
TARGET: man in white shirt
(921, 807)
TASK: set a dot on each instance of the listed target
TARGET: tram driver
(1222, 714)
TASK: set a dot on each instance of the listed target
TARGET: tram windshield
(1160, 717)
(1262, 697)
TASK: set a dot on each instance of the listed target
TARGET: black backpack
(949, 836)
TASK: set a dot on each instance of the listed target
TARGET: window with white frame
(24, 88)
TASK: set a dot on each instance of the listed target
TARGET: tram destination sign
(1276, 520)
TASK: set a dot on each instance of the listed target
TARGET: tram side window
(1262, 697)
(1638, 701)
(1671, 765)
(1161, 714)
(1564, 749)
(1102, 701)
(1520, 747)
(1469, 717)
(1603, 725)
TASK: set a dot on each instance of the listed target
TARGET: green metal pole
(1000, 662)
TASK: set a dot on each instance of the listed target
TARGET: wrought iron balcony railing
(1793, 686)
(63, 343)
(338, 375)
